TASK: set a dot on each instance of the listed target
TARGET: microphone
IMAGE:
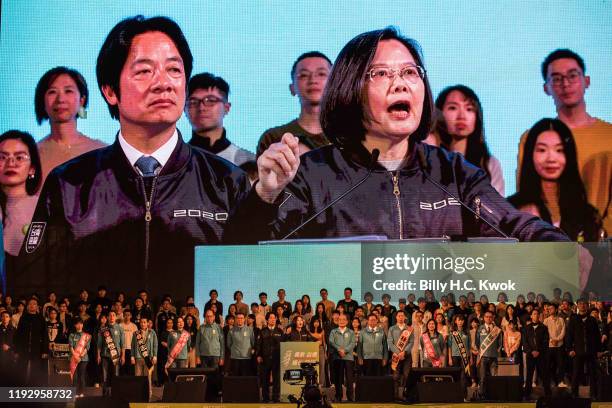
(374, 159)
(425, 167)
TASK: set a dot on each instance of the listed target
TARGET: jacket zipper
(396, 193)
(148, 204)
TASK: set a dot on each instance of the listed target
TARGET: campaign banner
(293, 354)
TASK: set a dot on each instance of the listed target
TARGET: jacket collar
(359, 156)
(204, 143)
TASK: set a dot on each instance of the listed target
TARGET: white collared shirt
(161, 155)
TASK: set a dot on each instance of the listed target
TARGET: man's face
(566, 83)
(418, 317)
(238, 297)
(102, 293)
(152, 83)
(112, 317)
(372, 321)
(263, 299)
(359, 313)
(309, 80)
(272, 320)
(281, 294)
(401, 318)
(210, 317)
(32, 306)
(324, 294)
(213, 295)
(582, 307)
(342, 320)
(240, 320)
(347, 294)
(535, 316)
(166, 305)
(488, 318)
(206, 109)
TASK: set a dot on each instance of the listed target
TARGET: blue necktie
(147, 165)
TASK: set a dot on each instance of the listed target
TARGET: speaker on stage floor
(604, 388)
(435, 385)
(100, 402)
(240, 389)
(504, 388)
(185, 391)
(374, 389)
(130, 388)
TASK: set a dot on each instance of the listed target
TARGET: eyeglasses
(307, 75)
(384, 75)
(206, 101)
(572, 77)
(19, 158)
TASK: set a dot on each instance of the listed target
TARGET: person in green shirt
(80, 377)
(180, 360)
(111, 350)
(241, 343)
(372, 348)
(342, 344)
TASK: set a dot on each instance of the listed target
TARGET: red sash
(78, 351)
(402, 342)
(430, 352)
(177, 348)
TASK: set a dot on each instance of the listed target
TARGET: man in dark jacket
(131, 213)
(32, 343)
(267, 351)
(535, 346)
(582, 341)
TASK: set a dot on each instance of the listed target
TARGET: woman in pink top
(61, 97)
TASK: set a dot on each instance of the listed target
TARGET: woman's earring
(82, 113)
(31, 176)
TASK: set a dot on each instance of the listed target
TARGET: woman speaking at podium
(376, 109)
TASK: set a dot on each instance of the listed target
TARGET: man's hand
(277, 167)
(535, 353)
(133, 361)
(402, 355)
(572, 353)
(221, 362)
(259, 360)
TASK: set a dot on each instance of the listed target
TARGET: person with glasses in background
(309, 75)
(206, 107)
(565, 80)
(20, 179)
(377, 109)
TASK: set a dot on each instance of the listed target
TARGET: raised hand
(277, 167)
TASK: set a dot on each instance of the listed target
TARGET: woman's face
(459, 115)
(548, 156)
(394, 106)
(15, 163)
(356, 324)
(299, 322)
(439, 318)
(320, 309)
(62, 99)
(431, 326)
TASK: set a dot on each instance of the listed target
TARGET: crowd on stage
(554, 342)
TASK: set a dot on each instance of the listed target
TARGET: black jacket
(302, 335)
(582, 335)
(536, 339)
(93, 226)
(31, 340)
(268, 344)
(400, 204)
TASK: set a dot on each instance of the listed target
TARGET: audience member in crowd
(582, 341)
(400, 343)
(213, 294)
(164, 315)
(460, 129)
(298, 331)
(458, 347)
(163, 350)
(129, 328)
(349, 304)
(111, 349)
(55, 329)
(20, 179)
(535, 346)
(32, 343)
(308, 78)
(240, 306)
(140, 311)
(7, 343)
(206, 107)
(61, 97)
(565, 80)
(329, 305)
(191, 326)
(418, 327)
(282, 302)
(267, 351)
(241, 342)
(144, 350)
(342, 344)
(80, 343)
(179, 344)
(433, 346)
(550, 185)
(372, 348)
(556, 349)
(318, 333)
(489, 341)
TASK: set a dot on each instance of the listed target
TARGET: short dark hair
(206, 80)
(349, 289)
(558, 54)
(342, 114)
(238, 292)
(309, 54)
(263, 294)
(45, 82)
(213, 291)
(32, 184)
(269, 314)
(116, 47)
